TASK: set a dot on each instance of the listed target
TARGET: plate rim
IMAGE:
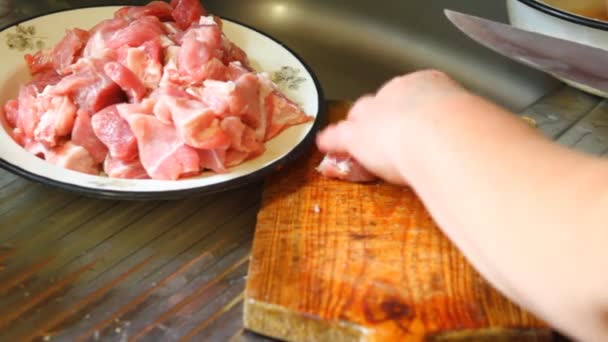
(239, 182)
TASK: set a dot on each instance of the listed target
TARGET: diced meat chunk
(171, 54)
(233, 53)
(161, 151)
(116, 168)
(208, 32)
(164, 98)
(144, 107)
(35, 147)
(56, 120)
(62, 55)
(71, 84)
(114, 132)
(197, 125)
(97, 46)
(69, 49)
(40, 61)
(73, 157)
(170, 75)
(235, 70)
(11, 112)
(261, 122)
(19, 137)
(126, 80)
(239, 98)
(217, 95)
(137, 33)
(173, 31)
(98, 95)
(244, 144)
(234, 157)
(45, 78)
(283, 114)
(344, 167)
(194, 66)
(199, 57)
(83, 135)
(28, 110)
(213, 160)
(162, 110)
(187, 12)
(144, 61)
(242, 137)
(277, 112)
(159, 9)
(89, 86)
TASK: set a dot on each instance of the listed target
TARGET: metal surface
(356, 46)
(566, 59)
(72, 266)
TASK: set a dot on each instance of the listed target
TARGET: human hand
(379, 127)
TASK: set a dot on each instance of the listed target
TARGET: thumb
(337, 138)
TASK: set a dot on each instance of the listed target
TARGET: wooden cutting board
(335, 261)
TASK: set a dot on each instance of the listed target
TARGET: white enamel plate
(266, 54)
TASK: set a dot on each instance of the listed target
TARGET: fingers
(399, 95)
(418, 83)
(361, 108)
(336, 138)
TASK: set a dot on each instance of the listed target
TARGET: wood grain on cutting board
(335, 261)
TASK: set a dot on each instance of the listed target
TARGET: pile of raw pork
(156, 92)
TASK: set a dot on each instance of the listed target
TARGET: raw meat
(158, 91)
(161, 151)
(214, 160)
(45, 78)
(28, 114)
(126, 80)
(282, 113)
(89, 86)
(159, 9)
(136, 33)
(242, 137)
(117, 168)
(114, 132)
(61, 56)
(344, 167)
(200, 54)
(73, 157)
(197, 125)
(240, 97)
(96, 46)
(11, 112)
(144, 61)
(187, 12)
(83, 135)
(56, 119)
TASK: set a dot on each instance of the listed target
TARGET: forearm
(475, 169)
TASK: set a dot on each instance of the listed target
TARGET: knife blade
(562, 58)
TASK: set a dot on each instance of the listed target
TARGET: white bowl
(265, 53)
(562, 19)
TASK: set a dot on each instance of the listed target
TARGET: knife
(564, 59)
